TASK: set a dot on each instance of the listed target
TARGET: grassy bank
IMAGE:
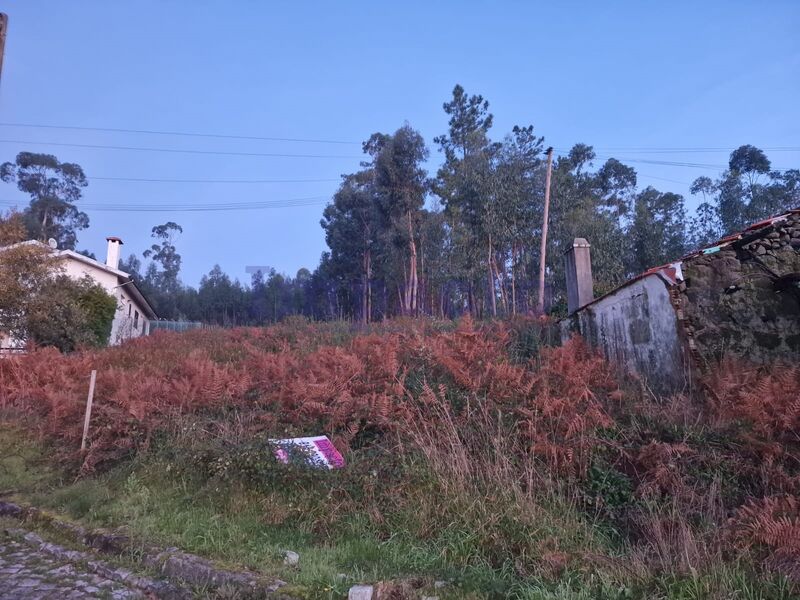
(474, 455)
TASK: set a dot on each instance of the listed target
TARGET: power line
(179, 133)
(634, 149)
(222, 206)
(283, 155)
(646, 176)
(177, 150)
(678, 150)
(670, 163)
(159, 180)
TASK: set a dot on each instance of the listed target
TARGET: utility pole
(3, 27)
(543, 252)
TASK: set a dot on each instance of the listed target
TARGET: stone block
(360, 592)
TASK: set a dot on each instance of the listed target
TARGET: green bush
(70, 313)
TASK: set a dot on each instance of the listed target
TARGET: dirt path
(27, 573)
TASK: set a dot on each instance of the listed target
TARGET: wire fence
(175, 325)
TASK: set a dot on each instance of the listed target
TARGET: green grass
(160, 499)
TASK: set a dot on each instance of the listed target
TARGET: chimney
(578, 267)
(112, 257)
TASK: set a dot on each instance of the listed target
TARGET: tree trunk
(422, 284)
(501, 282)
(473, 310)
(44, 225)
(385, 301)
(492, 294)
(412, 292)
(405, 292)
(365, 290)
(514, 279)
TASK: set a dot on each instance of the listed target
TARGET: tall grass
(475, 452)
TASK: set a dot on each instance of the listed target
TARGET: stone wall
(743, 299)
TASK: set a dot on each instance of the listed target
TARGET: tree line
(406, 241)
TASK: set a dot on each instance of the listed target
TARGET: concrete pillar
(112, 256)
(578, 267)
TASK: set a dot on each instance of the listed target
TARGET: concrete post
(578, 267)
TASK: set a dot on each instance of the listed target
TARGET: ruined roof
(672, 273)
(750, 232)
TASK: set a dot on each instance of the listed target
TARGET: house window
(136, 319)
(130, 307)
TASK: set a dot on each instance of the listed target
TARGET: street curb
(160, 589)
(170, 562)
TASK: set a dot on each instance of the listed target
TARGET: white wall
(124, 326)
(127, 324)
(637, 328)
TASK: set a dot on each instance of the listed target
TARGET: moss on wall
(744, 300)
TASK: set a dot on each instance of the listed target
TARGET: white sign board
(319, 450)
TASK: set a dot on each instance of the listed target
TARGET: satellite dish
(52, 243)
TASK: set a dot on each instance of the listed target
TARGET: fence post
(88, 415)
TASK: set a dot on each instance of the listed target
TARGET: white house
(134, 312)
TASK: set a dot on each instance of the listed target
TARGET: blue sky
(610, 74)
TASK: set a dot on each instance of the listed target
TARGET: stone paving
(27, 573)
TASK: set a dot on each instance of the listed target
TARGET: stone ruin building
(739, 297)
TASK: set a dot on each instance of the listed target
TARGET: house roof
(122, 277)
(672, 273)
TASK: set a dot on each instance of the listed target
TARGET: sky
(620, 76)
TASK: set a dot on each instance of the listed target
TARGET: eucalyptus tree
(162, 276)
(657, 231)
(54, 188)
(351, 223)
(748, 191)
(401, 183)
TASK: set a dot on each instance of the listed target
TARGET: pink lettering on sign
(329, 451)
(282, 455)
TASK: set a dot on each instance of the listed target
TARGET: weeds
(476, 453)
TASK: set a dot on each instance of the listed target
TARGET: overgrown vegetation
(42, 305)
(478, 454)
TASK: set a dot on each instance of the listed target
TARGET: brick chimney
(112, 256)
(578, 267)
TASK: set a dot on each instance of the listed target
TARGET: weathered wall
(741, 300)
(122, 328)
(637, 327)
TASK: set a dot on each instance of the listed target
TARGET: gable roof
(123, 278)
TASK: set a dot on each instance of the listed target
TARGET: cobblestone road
(29, 574)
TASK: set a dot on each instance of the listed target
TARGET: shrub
(770, 527)
(69, 313)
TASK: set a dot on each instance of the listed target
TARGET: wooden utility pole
(88, 416)
(3, 28)
(543, 252)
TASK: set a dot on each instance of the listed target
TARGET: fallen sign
(316, 451)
